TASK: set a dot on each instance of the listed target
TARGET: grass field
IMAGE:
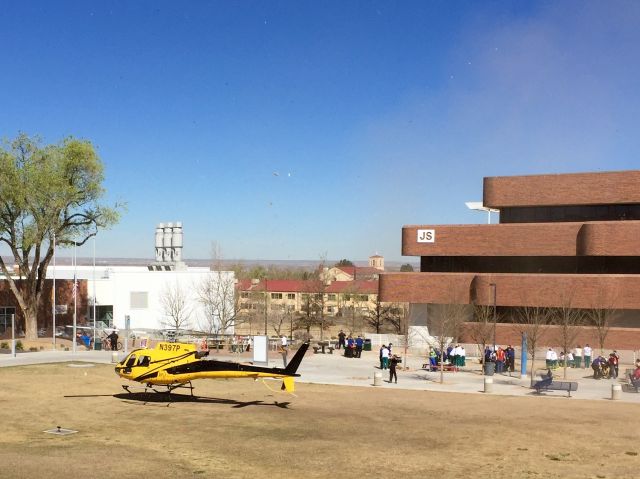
(241, 428)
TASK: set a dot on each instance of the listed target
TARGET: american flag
(75, 286)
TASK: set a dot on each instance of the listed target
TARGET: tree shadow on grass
(167, 399)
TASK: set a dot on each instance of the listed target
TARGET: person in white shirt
(577, 356)
(569, 359)
(463, 356)
(549, 358)
(554, 359)
(385, 357)
(587, 355)
(284, 350)
(455, 354)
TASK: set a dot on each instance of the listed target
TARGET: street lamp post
(495, 316)
(478, 206)
(266, 292)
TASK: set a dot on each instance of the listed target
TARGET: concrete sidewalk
(335, 369)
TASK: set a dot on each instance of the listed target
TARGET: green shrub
(19, 345)
(33, 349)
(4, 345)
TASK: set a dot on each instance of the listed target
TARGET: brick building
(569, 239)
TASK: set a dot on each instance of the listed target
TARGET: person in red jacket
(500, 357)
(613, 366)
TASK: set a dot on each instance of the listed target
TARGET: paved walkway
(338, 370)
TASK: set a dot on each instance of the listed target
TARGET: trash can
(489, 368)
(97, 344)
(367, 345)
(348, 352)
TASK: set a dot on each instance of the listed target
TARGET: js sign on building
(426, 236)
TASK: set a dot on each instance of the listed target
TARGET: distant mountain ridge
(281, 263)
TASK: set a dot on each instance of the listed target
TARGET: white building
(137, 292)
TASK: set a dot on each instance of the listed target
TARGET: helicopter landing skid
(151, 387)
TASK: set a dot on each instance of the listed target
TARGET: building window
(291, 295)
(5, 318)
(244, 294)
(363, 297)
(331, 297)
(139, 300)
(276, 295)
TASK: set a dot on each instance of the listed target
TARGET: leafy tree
(47, 192)
(406, 268)
(344, 262)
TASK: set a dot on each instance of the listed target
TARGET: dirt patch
(239, 428)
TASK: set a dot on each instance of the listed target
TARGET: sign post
(13, 335)
(127, 324)
(260, 349)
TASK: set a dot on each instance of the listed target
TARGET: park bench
(447, 367)
(548, 384)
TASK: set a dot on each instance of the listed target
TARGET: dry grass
(242, 429)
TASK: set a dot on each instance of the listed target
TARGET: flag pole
(75, 296)
(94, 292)
(53, 307)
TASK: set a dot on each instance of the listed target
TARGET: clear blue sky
(291, 129)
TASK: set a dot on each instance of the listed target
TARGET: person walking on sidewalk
(392, 368)
(384, 353)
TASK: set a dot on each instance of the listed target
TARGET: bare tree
(398, 316)
(533, 321)
(353, 306)
(218, 296)
(601, 315)
(377, 315)
(445, 325)
(309, 313)
(175, 306)
(314, 301)
(481, 329)
(569, 320)
(277, 319)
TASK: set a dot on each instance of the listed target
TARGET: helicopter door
(130, 362)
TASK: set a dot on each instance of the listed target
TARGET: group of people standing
(606, 368)
(352, 347)
(504, 358)
(573, 359)
(389, 361)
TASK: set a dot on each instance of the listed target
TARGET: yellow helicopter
(175, 365)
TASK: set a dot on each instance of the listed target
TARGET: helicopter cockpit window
(131, 361)
(144, 360)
